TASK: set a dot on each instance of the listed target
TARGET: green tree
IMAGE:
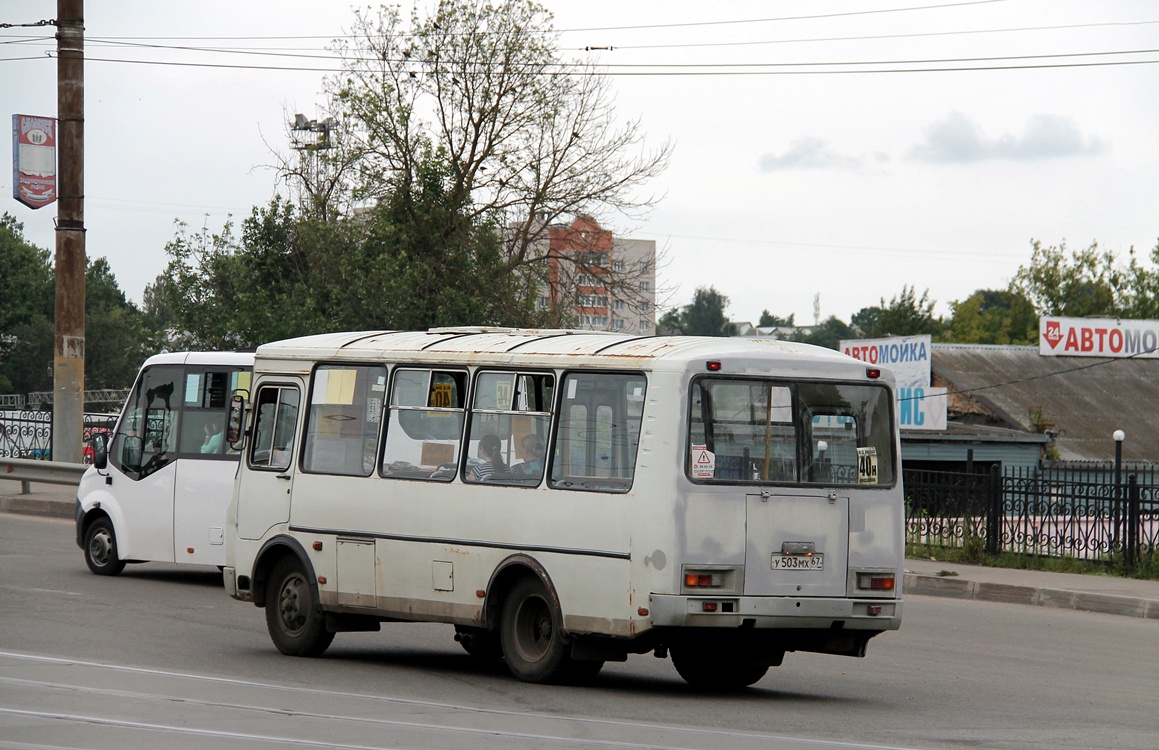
(991, 316)
(704, 316)
(26, 311)
(904, 315)
(116, 337)
(768, 319)
(1089, 282)
(828, 334)
(1078, 284)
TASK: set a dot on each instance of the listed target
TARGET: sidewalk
(1116, 596)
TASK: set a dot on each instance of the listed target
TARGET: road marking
(457, 708)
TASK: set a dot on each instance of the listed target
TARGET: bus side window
(510, 418)
(344, 419)
(275, 421)
(598, 432)
(146, 439)
(424, 427)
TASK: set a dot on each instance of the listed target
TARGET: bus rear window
(765, 431)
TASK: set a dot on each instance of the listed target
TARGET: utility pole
(68, 370)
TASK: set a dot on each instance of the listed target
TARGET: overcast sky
(831, 147)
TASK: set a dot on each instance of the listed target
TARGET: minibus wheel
(710, 669)
(296, 625)
(530, 633)
(101, 549)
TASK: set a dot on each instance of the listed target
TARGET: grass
(973, 553)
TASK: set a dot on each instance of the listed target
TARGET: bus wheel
(529, 631)
(296, 625)
(710, 669)
(480, 643)
(101, 549)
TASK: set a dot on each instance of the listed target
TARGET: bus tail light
(694, 580)
(875, 581)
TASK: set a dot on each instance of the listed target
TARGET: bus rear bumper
(775, 612)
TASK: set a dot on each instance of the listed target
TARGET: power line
(878, 37)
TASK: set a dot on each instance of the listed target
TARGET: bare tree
(529, 140)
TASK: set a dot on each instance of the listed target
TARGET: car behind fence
(1077, 512)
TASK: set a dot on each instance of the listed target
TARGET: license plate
(798, 562)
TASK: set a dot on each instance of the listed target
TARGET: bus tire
(530, 633)
(297, 627)
(710, 669)
(101, 549)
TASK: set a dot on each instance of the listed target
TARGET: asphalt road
(160, 657)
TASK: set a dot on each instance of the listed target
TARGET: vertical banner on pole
(33, 160)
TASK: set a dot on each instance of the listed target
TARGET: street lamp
(1119, 437)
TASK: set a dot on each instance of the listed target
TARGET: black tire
(530, 632)
(716, 669)
(296, 624)
(101, 549)
(480, 643)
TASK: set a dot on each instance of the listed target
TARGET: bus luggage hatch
(798, 544)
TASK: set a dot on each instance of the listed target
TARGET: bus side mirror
(233, 433)
(100, 450)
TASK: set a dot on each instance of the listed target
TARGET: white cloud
(808, 153)
(959, 139)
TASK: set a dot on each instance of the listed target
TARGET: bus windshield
(766, 431)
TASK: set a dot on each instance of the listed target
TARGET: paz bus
(158, 491)
(567, 498)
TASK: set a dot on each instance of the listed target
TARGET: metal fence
(1051, 512)
(28, 434)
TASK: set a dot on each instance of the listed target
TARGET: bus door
(205, 473)
(264, 491)
(144, 455)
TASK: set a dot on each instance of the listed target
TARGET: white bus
(565, 498)
(159, 490)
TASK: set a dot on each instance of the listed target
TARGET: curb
(31, 505)
(956, 588)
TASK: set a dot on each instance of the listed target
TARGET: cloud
(807, 153)
(958, 139)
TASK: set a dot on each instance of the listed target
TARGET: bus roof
(242, 359)
(556, 348)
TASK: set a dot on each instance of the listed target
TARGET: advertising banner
(33, 160)
(919, 407)
(1098, 337)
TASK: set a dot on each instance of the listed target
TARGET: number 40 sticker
(867, 465)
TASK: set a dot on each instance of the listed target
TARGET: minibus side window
(510, 419)
(424, 429)
(205, 401)
(275, 421)
(344, 419)
(598, 431)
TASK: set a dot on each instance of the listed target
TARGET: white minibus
(159, 490)
(566, 498)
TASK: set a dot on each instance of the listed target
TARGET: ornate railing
(1046, 512)
(28, 434)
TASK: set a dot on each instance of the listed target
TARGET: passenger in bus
(490, 450)
(212, 442)
(531, 450)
